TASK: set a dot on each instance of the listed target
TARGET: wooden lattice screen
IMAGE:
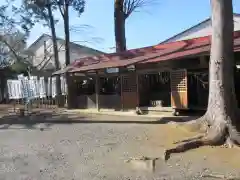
(179, 95)
(129, 83)
(179, 80)
(129, 91)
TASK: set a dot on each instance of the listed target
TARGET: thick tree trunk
(56, 57)
(222, 104)
(67, 55)
(222, 100)
(119, 25)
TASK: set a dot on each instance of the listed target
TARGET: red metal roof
(199, 46)
(127, 58)
(152, 54)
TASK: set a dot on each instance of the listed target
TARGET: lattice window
(129, 83)
(179, 80)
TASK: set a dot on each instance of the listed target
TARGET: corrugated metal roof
(121, 60)
(69, 67)
(152, 54)
(196, 48)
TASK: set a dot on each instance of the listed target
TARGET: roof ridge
(59, 38)
(192, 27)
(197, 39)
(159, 46)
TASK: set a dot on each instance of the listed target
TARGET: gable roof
(192, 28)
(44, 37)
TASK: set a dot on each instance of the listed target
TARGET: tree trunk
(67, 55)
(3, 86)
(222, 105)
(222, 101)
(67, 36)
(56, 57)
(119, 24)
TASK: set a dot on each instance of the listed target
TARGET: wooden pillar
(70, 84)
(138, 101)
(97, 91)
(122, 94)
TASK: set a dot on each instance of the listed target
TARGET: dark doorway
(154, 88)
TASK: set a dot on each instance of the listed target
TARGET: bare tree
(12, 45)
(122, 10)
(42, 11)
(64, 6)
(13, 33)
(221, 114)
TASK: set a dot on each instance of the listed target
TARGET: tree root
(199, 125)
(234, 133)
(215, 136)
(228, 143)
(197, 137)
(219, 176)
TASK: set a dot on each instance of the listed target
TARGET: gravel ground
(90, 151)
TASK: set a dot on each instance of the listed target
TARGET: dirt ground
(79, 146)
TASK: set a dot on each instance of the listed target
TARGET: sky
(149, 26)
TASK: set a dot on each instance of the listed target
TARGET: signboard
(131, 67)
(63, 85)
(54, 92)
(14, 89)
(42, 87)
(112, 70)
(49, 86)
(34, 87)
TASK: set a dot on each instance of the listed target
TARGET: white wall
(204, 29)
(75, 53)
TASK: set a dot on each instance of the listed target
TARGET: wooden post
(122, 95)
(97, 91)
(14, 106)
(137, 90)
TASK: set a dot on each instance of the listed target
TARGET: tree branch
(129, 6)
(60, 9)
(10, 47)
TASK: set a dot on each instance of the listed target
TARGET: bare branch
(93, 40)
(87, 30)
(80, 28)
(60, 9)
(2, 39)
(131, 6)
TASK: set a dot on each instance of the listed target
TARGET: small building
(158, 78)
(201, 29)
(41, 53)
(163, 77)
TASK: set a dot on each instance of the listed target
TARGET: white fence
(33, 89)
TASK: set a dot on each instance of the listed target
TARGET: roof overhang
(64, 71)
(164, 52)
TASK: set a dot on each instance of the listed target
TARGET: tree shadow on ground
(51, 118)
(186, 116)
(30, 121)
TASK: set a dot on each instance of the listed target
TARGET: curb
(124, 114)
